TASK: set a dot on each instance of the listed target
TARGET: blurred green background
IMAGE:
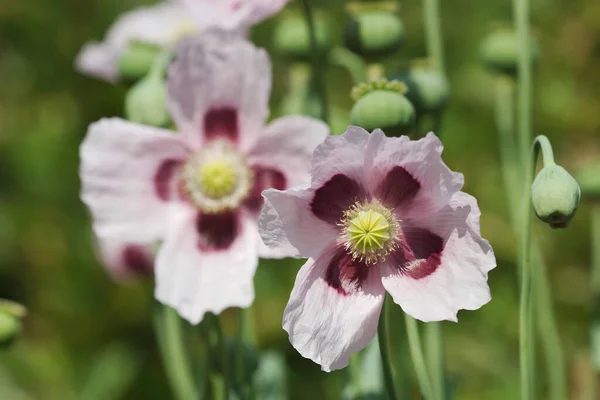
(82, 325)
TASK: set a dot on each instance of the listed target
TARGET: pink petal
(219, 86)
(124, 180)
(329, 315)
(288, 225)
(195, 279)
(287, 144)
(422, 162)
(98, 60)
(126, 260)
(444, 265)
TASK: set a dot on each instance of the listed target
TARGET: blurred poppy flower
(382, 214)
(125, 261)
(199, 190)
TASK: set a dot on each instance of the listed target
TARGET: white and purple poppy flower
(126, 261)
(382, 214)
(165, 23)
(199, 190)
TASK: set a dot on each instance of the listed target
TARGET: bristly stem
(318, 72)
(416, 353)
(170, 338)
(433, 33)
(384, 349)
(524, 69)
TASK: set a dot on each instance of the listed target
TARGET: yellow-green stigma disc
(218, 178)
(368, 232)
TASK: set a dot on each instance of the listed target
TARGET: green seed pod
(589, 181)
(374, 33)
(137, 59)
(292, 37)
(10, 321)
(499, 51)
(386, 109)
(428, 89)
(555, 196)
(146, 102)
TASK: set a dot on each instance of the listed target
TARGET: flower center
(217, 178)
(370, 231)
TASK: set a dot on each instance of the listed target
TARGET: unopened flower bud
(383, 105)
(10, 322)
(137, 60)
(499, 51)
(292, 37)
(428, 89)
(374, 33)
(555, 196)
(146, 102)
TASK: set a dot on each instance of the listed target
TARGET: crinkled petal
(219, 86)
(98, 60)
(288, 144)
(444, 265)
(330, 315)
(127, 173)
(288, 225)
(199, 272)
(430, 182)
(126, 260)
(235, 15)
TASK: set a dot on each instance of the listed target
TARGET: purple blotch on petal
(264, 178)
(398, 188)
(216, 231)
(336, 196)
(137, 259)
(419, 254)
(221, 123)
(163, 178)
(345, 274)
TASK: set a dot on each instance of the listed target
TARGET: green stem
(220, 381)
(527, 346)
(596, 248)
(351, 62)
(317, 60)
(435, 357)
(595, 320)
(170, 338)
(521, 11)
(245, 336)
(433, 33)
(416, 353)
(384, 349)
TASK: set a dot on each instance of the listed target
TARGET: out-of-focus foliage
(87, 337)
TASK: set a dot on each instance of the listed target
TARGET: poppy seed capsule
(137, 59)
(146, 102)
(292, 37)
(388, 110)
(428, 89)
(373, 33)
(499, 51)
(555, 196)
(10, 328)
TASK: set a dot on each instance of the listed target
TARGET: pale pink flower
(199, 190)
(165, 23)
(125, 261)
(382, 214)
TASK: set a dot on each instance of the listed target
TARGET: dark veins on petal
(264, 178)
(336, 196)
(163, 178)
(345, 274)
(398, 188)
(419, 254)
(221, 123)
(216, 231)
(137, 259)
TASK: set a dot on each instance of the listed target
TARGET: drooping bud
(292, 37)
(373, 31)
(428, 89)
(11, 314)
(382, 104)
(146, 101)
(137, 60)
(555, 196)
(499, 51)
